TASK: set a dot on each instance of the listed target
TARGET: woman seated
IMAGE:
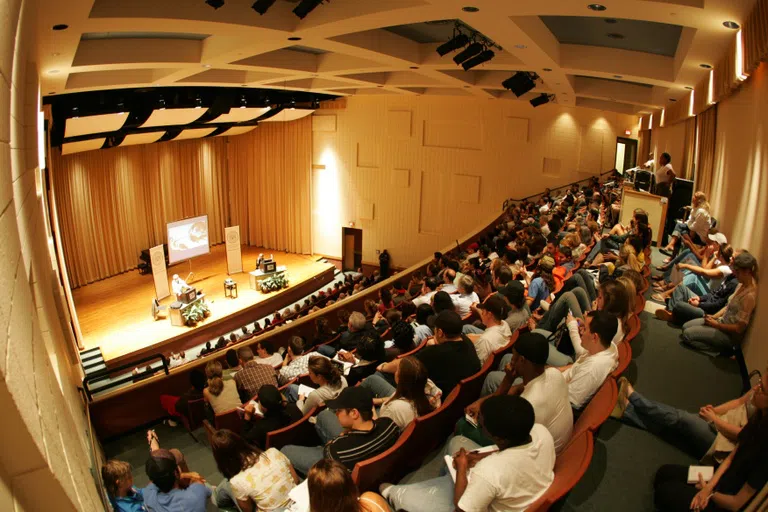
(701, 279)
(541, 284)
(254, 479)
(695, 228)
(274, 414)
(233, 364)
(403, 339)
(740, 476)
(328, 379)
(331, 489)
(385, 301)
(370, 354)
(627, 260)
(220, 394)
(725, 330)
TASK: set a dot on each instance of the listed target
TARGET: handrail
(108, 371)
(513, 200)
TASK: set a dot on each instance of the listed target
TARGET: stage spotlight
(519, 83)
(454, 44)
(215, 3)
(315, 103)
(484, 56)
(541, 99)
(262, 6)
(305, 7)
(468, 52)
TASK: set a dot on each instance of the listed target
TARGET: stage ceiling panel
(237, 130)
(86, 125)
(194, 133)
(83, 145)
(240, 115)
(174, 116)
(141, 138)
(290, 114)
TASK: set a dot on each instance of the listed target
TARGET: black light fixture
(483, 57)
(458, 41)
(468, 52)
(161, 103)
(470, 8)
(705, 66)
(596, 7)
(262, 6)
(198, 102)
(305, 7)
(541, 99)
(60, 26)
(315, 103)
(215, 3)
(243, 101)
(731, 24)
(520, 83)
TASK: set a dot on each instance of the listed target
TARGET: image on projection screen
(188, 238)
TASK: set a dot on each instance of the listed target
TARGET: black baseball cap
(514, 291)
(495, 305)
(449, 322)
(356, 397)
(533, 346)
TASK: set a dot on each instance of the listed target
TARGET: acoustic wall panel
(367, 154)
(399, 124)
(591, 151)
(551, 167)
(516, 129)
(173, 116)
(324, 123)
(466, 188)
(401, 178)
(240, 115)
(453, 134)
(431, 203)
(83, 145)
(103, 123)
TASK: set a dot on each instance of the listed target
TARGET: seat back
(599, 408)
(570, 466)
(625, 357)
(230, 420)
(412, 352)
(500, 353)
(300, 432)
(428, 432)
(469, 388)
(196, 410)
(634, 327)
(209, 431)
(384, 467)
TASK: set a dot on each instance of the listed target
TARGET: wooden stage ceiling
(115, 314)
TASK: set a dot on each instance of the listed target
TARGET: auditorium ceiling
(630, 57)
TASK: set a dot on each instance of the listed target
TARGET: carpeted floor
(621, 473)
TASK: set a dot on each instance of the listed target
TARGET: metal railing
(129, 378)
(508, 202)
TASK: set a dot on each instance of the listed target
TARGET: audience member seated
(331, 488)
(403, 337)
(356, 328)
(363, 437)
(724, 331)
(703, 278)
(323, 333)
(684, 305)
(326, 376)
(542, 283)
(275, 413)
(427, 291)
(385, 301)
(510, 478)
(421, 329)
(253, 479)
(178, 406)
(172, 487)
(514, 293)
(735, 482)
(441, 301)
(466, 296)
(697, 226)
(370, 354)
(296, 362)
(524, 373)
(252, 375)
(496, 334)
(233, 364)
(450, 359)
(266, 354)
(220, 394)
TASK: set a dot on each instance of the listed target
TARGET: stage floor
(115, 314)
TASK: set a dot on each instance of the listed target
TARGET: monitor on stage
(188, 238)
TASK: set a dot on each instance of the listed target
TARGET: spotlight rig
(479, 49)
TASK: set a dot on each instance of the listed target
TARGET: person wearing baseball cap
(362, 436)
(496, 334)
(542, 283)
(514, 293)
(524, 373)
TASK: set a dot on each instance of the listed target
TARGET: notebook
(706, 473)
(449, 458)
(305, 390)
(300, 497)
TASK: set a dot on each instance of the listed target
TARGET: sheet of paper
(305, 390)
(449, 458)
(300, 497)
(346, 366)
(706, 473)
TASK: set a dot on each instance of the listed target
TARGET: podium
(176, 309)
(259, 275)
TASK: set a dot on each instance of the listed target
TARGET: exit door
(351, 249)
(626, 154)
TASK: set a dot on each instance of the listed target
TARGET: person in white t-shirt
(597, 356)
(466, 296)
(497, 333)
(523, 372)
(665, 175)
(427, 291)
(510, 478)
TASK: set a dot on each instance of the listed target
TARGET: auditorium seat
(570, 466)
(500, 353)
(429, 432)
(195, 418)
(301, 432)
(625, 357)
(231, 420)
(599, 408)
(634, 328)
(419, 347)
(385, 467)
(469, 388)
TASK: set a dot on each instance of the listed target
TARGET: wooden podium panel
(656, 206)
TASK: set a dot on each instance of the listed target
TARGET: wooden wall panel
(399, 124)
(324, 123)
(453, 134)
(517, 129)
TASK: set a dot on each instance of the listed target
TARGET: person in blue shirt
(542, 283)
(118, 480)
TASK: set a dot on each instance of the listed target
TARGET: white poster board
(234, 257)
(159, 272)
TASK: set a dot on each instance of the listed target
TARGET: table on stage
(257, 275)
(176, 313)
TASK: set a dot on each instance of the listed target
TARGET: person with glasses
(712, 433)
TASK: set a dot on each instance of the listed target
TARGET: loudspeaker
(682, 194)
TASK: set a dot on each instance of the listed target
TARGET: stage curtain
(689, 149)
(113, 203)
(755, 36)
(644, 147)
(707, 135)
(269, 185)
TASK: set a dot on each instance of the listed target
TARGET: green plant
(274, 283)
(195, 313)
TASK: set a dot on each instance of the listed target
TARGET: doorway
(626, 154)
(351, 248)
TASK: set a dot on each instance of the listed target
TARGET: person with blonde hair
(220, 394)
(696, 227)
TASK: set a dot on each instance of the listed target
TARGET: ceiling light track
(478, 48)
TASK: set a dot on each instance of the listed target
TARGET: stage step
(92, 361)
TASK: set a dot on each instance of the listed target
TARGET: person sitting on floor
(510, 478)
(684, 305)
(275, 413)
(363, 437)
(331, 488)
(253, 479)
(172, 487)
(253, 375)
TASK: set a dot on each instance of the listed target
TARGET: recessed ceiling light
(617, 76)
(672, 100)
(520, 46)
(611, 20)
(731, 24)
(53, 71)
(51, 93)
(466, 87)
(689, 87)
(414, 67)
(60, 26)
(547, 69)
(470, 8)
(614, 35)
(705, 66)
(596, 7)
(56, 54)
(206, 65)
(294, 38)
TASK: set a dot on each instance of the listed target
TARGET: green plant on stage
(274, 283)
(195, 313)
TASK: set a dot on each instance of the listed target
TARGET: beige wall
(415, 173)
(740, 190)
(669, 139)
(44, 460)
